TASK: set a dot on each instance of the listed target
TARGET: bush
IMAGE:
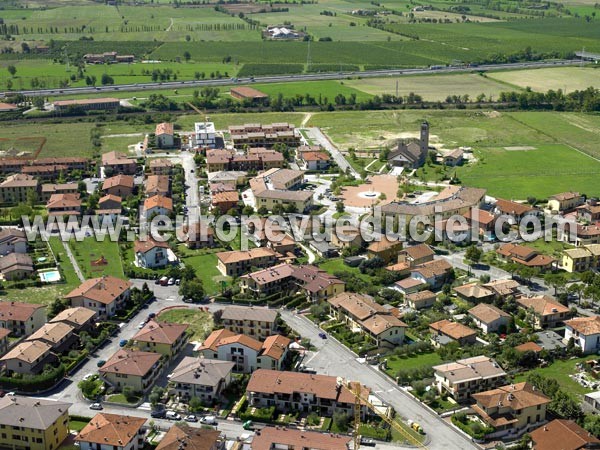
(259, 415)
(35, 383)
(375, 432)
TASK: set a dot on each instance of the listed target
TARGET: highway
(288, 78)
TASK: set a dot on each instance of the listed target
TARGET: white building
(204, 134)
(585, 331)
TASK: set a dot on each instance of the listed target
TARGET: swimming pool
(50, 276)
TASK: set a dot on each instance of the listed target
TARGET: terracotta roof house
(289, 439)
(64, 205)
(16, 266)
(191, 438)
(133, 368)
(109, 205)
(489, 318)
(529, 347)
(416, 255)
(420, 300)
(151, 254)
(516, 210)
(445, 331)
(104, 295)
(118, 163)
(561, 434)
(235, 263)
(202, 378)
(462, 378)
(198, 235)
(158, 205)
(16, 188)
(162, 337)
(473, 292)
(482, 222)
(165, 135)
(80, 318)
(544, 311)
(157, 185)
(384, 249)
(503, 288)
(247, 93)
(114, 431)
(161, 166)
(434, 273)
(585, 332)
(119, 185)
(564, 202)
(297, 391)
(62, 188)
(409, 285)
(21, 319)
(526, 256)
(58, 335)
(226, 200)
(512, 409)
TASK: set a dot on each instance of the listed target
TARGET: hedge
(34, 383)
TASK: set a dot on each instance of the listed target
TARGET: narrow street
(73, 261)
(317, 135)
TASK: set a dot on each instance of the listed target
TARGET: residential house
(511, 410)
(361, 313)
(444, 331)
(518, 211)
(253, 321)
(482, 223)
(247, 353)
(161, 166)
(165, 338)
(151, 254)
(132, 368)
(158, 185)
(104, 295)
(409, 286)
(474, 292)
(529, 347)
(416, 255)
(224, 201)
(489, 318)
(47, 190)
(16, 266)
(581, 259)
(191, 438)
(4, 340)
(544, 311)
(80, 318)
(284, 438)
(303, 392)
(589, 212)
(316, 283)
(115, 163)
(564, 435)
(12, 240)
(21, 319)
(112, 432)
(525, 256)
(585, 332)
(462, 378)
(503, 289)
(583, 235)
(201, 378)
(18, 188)
(60, 336)
(564, 202)
(198, 235)
(384, 249)
(454, 158)
(420, 300)
(33, 423)
(28, 357)
(110, 205)
(64, 205)
(165, 136)
(119, 186)
(277, 187)
(235, 263)
(346, 237)
(315, 161)
(433, 273)
(158, 205)
(204, 135)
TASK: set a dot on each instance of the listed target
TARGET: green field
(560, 371)
(395, 363)
(90, 250)
(205, 264)
(566, 78)
(201, 322)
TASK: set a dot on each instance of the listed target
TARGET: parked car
(96, 406)
(141, 325)
(164, 281)
(158, 413)
(368, 442)
(171, 281)
(88, 376)
(191, 418)
(177, 282)
(172, 415)
(151, 315)
(209, 420)
(123, 342)
(100, 362)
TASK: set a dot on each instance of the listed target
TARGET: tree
(339, 207)
(192, 289)
(556, 280)
(39, 102)
(156, 395)
(127, 392)
(106, 79)
(473, 255)
(12, 70)
(341, 421)
(187, 56)
(88, 387)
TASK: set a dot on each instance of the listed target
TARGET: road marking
(170, 299)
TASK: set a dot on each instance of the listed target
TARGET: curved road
(287, 78)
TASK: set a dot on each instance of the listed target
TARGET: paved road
(333, 358)
(191, 194)
(317, 135)
(284, 78)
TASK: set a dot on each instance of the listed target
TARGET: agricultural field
(431, 87)
(566, 78)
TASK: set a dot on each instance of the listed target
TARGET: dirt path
(307, 117)
(170, 25)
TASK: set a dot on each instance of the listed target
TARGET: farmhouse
(87, 104)
(248, 93)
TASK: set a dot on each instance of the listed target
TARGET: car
(209, 420)
(191, 170)
(177, 282)
(172, 415)
(151, 315)
(100, 362)
(158, 413)
(171, 281)
(88, 376)
(164, 281)
(367, 442)
(123, 342)
(322, 335)
(141, 325)
(96, 406)
(191, 418)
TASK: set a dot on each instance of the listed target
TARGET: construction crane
(206, 118)
(355, 388)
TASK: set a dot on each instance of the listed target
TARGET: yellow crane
(355, 388)
(198, 111)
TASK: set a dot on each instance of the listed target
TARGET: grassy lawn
(201, 322)
(77, 425)
(90, 250)
(70, 277)
(396, 363)
(551, 248)
(120, 398)
(337, 265)
(560, 371)
(205, 264)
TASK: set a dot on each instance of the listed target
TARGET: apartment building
(462, 378)
(119, 185)
(112, 432)
(132, 368)
(237, 262)
(581, 259)
(104, 295)
(115, 163)
(252, 321)
(28, 357)
(16, 188)
(165, 338)
(191, 438)
(201, 378)
(22, 319)
(257, 135)
(283, 438)
(585, 332)
(544, 311)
